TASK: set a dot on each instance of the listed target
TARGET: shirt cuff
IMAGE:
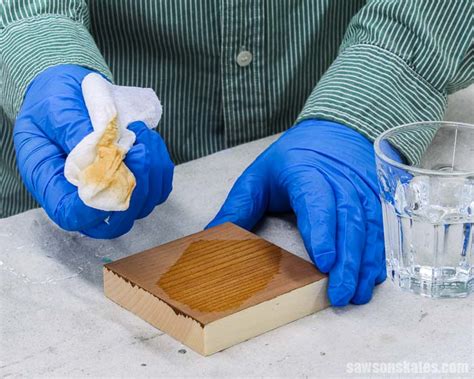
(371, 90)
(33, 44)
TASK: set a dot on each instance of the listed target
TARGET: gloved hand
(324, 172)
(52, 121)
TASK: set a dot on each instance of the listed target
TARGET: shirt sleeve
(35, 35)
(397, 63)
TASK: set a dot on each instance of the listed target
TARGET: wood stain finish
(209, 276)
(216, 275)
(228, 245)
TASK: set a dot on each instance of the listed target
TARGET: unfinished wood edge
(268, 315)
(158, 313)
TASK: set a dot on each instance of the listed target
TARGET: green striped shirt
(231, 71)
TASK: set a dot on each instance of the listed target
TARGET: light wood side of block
(268, 315)
(154, 311)
(222, 333)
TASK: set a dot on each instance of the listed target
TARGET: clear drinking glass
(428, 207)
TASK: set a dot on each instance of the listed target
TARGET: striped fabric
(370, 65)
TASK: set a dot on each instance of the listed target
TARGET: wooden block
(216, 288)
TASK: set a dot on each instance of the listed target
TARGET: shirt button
(244, 58)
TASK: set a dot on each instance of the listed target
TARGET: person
(331, 75)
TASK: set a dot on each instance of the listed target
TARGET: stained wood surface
(216, 272)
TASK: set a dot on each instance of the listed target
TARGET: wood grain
(207, 277)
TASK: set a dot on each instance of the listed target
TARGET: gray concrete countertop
(55, 320)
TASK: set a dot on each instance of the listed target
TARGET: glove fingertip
(366, 286)
(167, 182)
(137, 127)
(363, 294)
(362, 299)
(381, 276)
(145, 212)
(217, 221)
(324, 261)
(246, 202)
(340, 296)
(165, 194)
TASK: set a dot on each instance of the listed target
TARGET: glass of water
(428, 206)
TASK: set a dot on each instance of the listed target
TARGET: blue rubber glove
(324, 172)
(52, 121)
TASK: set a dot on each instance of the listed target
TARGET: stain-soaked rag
(96, 165)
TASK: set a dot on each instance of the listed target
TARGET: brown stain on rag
(108, 171)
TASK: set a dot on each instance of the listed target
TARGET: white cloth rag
(104, 102)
